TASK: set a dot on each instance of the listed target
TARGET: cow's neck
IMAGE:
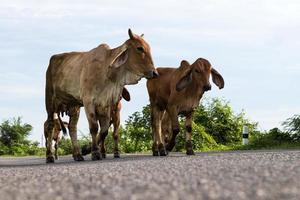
(124, 76)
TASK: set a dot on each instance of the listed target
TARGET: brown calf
(59, 126)
(178, 91)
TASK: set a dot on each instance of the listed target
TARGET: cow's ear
(184, 63)
(120, 59)
(125, 94)
(217, 78)
(131, 35)
(184, 81)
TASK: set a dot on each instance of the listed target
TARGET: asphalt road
(229, 175)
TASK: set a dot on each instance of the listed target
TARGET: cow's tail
(62, 125)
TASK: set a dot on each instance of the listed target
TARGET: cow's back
(63, 78)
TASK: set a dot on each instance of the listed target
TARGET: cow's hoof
(50, 159)
(190, 152)
(155, 153)
(116, 155)
(103, 155)
(56, 157)
(78, 157)
(96, 155)
(162, 150)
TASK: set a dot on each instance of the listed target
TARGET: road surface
(226, 175)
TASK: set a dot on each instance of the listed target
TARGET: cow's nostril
(151, 74)
(207, 87)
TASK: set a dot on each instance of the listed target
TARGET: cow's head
(200, 72)
(136, 55)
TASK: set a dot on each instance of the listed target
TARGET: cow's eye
(196, 70)
(141, 49)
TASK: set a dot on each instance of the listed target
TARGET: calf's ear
(184, 81)
(120, 58)
(217, 78)
(125, 94)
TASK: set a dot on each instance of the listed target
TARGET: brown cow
(93, 79)
(59, 126)
(115, 121)
(178, 91)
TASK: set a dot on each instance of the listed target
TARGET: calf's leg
(48, 132)
(172, 111)
(116, 124)
(188, 143)
(158, 146)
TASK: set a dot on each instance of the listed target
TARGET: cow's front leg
(188, 136)
(48, 132)
(93, 126)
(74, 116)
(104, 124)
(173, 114)
(158, 145)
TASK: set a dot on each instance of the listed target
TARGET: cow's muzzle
(207, 87)
(151, 74)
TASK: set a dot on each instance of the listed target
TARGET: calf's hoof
(50, 159)
(155, 153)
(96, 155)
(86, 149)
(189, 148)
(190, 152)
(56, 157)
(162, 150)
(103, 155)
(78, 157)
(116, 155)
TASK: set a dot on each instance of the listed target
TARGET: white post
(245, 135)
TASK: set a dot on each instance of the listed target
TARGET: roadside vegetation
(216, 127)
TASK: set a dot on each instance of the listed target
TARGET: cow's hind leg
(48, 131)
(74, 116)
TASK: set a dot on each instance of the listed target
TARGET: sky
(254, 44)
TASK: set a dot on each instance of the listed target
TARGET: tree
(136, 136)
(13, 135)
(292, 125)
(219, 120)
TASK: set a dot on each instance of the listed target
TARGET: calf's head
(136, 55)
(199, 72)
